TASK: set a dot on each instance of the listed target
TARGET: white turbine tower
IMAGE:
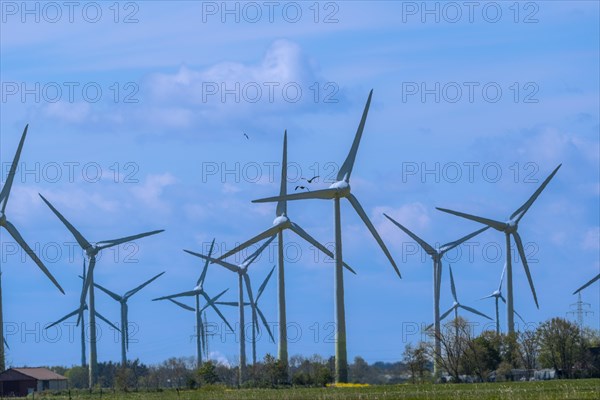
(12, 230)
(497, 295)
(509, 228)
(91, 252)
(436, 255)
(81, 320)
(338, 190)
(243, 279)
(258, 311)
(280, 224)
(124, 314)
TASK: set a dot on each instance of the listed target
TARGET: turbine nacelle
(512, 225)
(282, 221)
(342, 187)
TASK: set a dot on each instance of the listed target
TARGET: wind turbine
(341, 189)
(12, 230)
(243, 278)
(436, 255)
(497, 295)
(196, 293)
(587, 284)
(280, 224)
(81, 321)
(456, 305)
(91, 252)
(124, 311)
(510, 228)
(258, 311)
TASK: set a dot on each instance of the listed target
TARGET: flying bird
(302, 187)
(311, 179)
(246, 136)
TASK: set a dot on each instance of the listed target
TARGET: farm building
(22, 381)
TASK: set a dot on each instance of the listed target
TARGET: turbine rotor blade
(114, 242)
(525, 207)
(184, 306)
(502, 278)
(451, 245)
(282, 203)
(78, 236)
(474, 311)
(200, 280)
(428, 249)
(214, 307)
(264, 284)
(5, 193)
(354, 201)
(88, 281)
(346, 169)
(189, 293)
(19, 239)
(265, 323)
(500, 226)
(107, 321)
(214, 301)
(69, 315)
(229, 266)
(452, 286)
(304, 235)
(143, 285)
(518, 315)
(525, 266)
(250, 297)
(325, 194)
(444, 315)
(263, 235)
(252, 257)
(108, 292)
(587, 284)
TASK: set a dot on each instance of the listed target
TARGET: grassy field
(573, 389)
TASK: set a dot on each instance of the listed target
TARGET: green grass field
(571, 389)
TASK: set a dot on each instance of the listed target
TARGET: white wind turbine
(497, 295)
(280, 224)
(198, 292)
(12, 230)
(338, 190)
(124, 313)
(258, 311)
(436, 255)
(243, 279)
(91, 252)
(510, 228)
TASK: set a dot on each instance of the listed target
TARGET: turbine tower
(509, 228)
(497, 295)
(243, 279)
(280, 224)
(124, 311)
(12, 230)
(338, 190)
(198, 292)
(91, 252)
(258, 311)
(81, 321)
(436, 255)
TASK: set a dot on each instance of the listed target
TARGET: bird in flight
(246, 136)
(311, 179)
(302, 187)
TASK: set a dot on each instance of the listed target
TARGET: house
(22, 381)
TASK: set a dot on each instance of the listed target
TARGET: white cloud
(413, 216)
(68, 112)
(151, 190)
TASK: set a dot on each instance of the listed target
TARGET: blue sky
(137, 121)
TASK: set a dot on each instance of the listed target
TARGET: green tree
(560, 345)
(78, 377)
(416, 358)
(207, 374)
